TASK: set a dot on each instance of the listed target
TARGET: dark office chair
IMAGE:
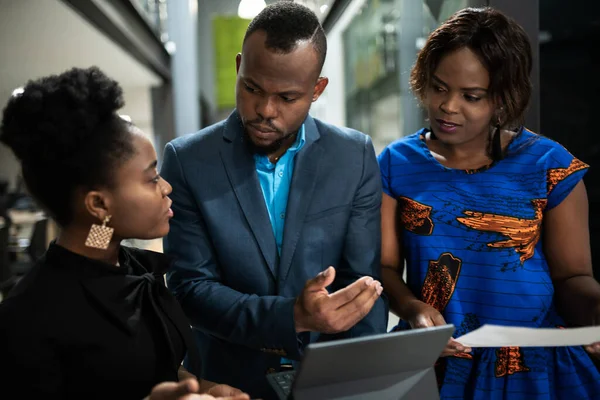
(6, 275)
(12, 272)
(35, 249)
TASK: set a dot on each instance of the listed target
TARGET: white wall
(9, 166)
(38, 38)
(183, 32)
(331, 106)
(206, 56)
(138, 105)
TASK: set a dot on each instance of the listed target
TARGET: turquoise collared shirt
(275, 180)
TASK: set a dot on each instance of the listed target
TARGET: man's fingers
(364, 300)
(366, 284)
(190, 385)
(223, 390)
(351, 313)
(241, 396)
(321, 281)
(194, 396)
(163, 390)
(209, 397)
(327, 312)
(174, 390)
(186, 386)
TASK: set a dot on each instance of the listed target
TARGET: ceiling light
(249, 9)
(17, 92)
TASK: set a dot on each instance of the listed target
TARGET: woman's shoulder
(405, 148)
(543, 150)
(38, 284)
(539, 143)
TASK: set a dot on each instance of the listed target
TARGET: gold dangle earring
(100, 235)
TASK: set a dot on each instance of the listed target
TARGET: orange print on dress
(555, 175)
(523, 233)
(509, 361)
(440, 281)
(415, 217)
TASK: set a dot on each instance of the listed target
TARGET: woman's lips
(446, 126)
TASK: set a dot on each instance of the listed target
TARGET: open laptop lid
(380, 361)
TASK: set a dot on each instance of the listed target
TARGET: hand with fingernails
(188, 390)
(422, 315)
(317, 310)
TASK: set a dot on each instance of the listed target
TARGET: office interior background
(175, 60)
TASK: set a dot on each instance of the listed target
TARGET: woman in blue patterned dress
(491, 219)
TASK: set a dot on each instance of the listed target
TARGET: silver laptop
(394, 366)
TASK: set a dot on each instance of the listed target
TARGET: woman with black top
(93, 319)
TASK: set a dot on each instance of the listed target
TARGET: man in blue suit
(263, 203)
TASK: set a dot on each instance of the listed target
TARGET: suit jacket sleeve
(362, 249)
(259, 322)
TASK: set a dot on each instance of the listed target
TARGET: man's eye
(250, 89)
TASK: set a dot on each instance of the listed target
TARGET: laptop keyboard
(282, 383)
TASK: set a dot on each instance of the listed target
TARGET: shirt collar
(300, 140)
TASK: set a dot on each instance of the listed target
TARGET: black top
(80, 328)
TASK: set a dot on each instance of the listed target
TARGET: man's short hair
(286, 23)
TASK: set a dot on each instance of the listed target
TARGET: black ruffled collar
(121, 291)
(131, 262)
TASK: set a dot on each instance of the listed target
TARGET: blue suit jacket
(233, 286)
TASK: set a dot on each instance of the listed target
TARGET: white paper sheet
(509, 336)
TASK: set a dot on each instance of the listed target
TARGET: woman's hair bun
(53, 117)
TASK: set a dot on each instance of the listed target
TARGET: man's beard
(270, 149)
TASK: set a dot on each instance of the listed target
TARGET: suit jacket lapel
(306, 172)
(241, 172)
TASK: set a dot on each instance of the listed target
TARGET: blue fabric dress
(473, 248)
